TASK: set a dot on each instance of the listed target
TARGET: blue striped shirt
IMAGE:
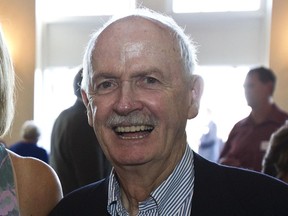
(173, 197)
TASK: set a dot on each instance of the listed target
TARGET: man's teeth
(132, 129)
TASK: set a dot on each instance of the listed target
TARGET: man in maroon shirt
(248, 139)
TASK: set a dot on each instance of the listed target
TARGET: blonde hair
(6, 87)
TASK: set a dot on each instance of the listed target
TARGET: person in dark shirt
(75, 152)
(28, 147)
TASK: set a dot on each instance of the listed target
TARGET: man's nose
(128, 99)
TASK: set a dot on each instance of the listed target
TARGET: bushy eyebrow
(105, 75)
(150, 71)
(135, 74)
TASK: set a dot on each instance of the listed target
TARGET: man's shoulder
(88, 200)
(242, 123)
(70, 117)
(92, 192)
(67, 113)
(280, 113)
(233, 175)
(19, 147)
(238, 188)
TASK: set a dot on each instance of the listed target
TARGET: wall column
(18, 24)
(279, 50)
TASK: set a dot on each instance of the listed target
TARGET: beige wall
(279, 50)
(17, 18)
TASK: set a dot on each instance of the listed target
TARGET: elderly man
(139, 91)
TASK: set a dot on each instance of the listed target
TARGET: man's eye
(105, 85)
(150, 80)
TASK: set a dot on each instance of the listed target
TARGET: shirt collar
(164, 196)
(181, 179)
(273, 116)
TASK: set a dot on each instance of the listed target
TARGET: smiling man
(139, 89)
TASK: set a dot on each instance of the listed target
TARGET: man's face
(256, 92)
(139, 99)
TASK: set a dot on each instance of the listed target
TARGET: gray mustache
(133, 118)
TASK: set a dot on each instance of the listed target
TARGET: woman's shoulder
(37, 185)
(32, 166)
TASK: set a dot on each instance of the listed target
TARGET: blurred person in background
(210, 145)
(30, 134)
(75, 152)
(248, 139)
(275, 162)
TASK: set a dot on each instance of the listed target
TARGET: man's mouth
(133, 132)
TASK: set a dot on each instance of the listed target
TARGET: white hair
(185, 43)
(30, 131)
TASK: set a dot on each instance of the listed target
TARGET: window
(224, 96)
(67, 8)
(53, 95)
(194, 6)
(71, 22)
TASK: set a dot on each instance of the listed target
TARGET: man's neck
(138, 182)
(260, 113)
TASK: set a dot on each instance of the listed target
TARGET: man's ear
(87, 103)
(196, 88)
(270, 88)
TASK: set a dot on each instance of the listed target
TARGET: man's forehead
(136, 23)
(253, 77)
(135, 41)
(134, 33)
